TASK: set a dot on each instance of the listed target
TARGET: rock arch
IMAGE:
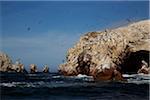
(109, 50)
(132, 63)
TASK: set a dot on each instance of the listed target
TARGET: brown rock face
(105, 54)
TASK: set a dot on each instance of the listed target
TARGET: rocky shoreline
(106, 55)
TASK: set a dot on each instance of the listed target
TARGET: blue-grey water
(59, 87)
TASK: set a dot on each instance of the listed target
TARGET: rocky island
(106, 55)
(6, 64)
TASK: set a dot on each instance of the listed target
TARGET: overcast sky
(42, 32)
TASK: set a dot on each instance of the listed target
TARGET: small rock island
(6, 64)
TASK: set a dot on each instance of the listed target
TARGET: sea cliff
(107, 54)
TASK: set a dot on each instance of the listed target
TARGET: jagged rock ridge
(6, 64)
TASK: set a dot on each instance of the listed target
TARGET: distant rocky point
(107, 54)
(6, 65)
(5, 62)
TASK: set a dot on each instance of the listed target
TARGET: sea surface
(58, 87)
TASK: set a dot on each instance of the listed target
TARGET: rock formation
(144, 68)
(18, 67)
(107, 54)
(33, 68)
(45, 69)
(5, 62)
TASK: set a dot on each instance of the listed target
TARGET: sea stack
(105, 55)
(33, 68)
(5, 63)
(45, 69)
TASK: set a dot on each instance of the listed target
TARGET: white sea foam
(137, 78)
(81, 76)
(65, 81)
(85, 77)
(56, 76)
(7, 84)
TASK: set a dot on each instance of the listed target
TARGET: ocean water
(59, 87)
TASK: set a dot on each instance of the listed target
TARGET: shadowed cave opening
(84, 61)
(133, 62)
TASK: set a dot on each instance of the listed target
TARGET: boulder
(102, 54)
(144, 68)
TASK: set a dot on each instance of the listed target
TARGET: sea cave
(133, 62)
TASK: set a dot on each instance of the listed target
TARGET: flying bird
(28, 28)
